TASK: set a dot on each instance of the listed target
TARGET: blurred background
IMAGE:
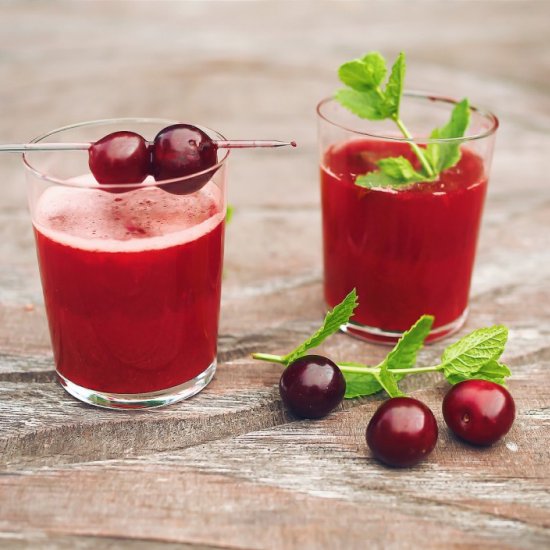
(257, 69)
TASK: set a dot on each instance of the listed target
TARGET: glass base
(140, 400)
(379, 336)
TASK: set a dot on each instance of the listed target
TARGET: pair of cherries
(177, 151)
(403, 431)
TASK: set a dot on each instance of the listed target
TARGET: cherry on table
(181, 150)
(479, 411)
(120, 157)
(402, 432)
(312, 386)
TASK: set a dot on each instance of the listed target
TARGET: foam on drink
(143, 219)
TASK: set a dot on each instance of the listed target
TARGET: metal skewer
(229, 144)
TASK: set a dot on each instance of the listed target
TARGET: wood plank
(296, 472)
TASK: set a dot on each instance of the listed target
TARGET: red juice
(131, 284)
(408, 252)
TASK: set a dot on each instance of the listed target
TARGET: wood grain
(231, 468)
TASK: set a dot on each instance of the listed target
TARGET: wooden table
(230, 468)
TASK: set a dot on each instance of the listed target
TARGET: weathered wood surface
(229, 468)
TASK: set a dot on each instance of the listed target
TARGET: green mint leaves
(340, 315)
(476, 355)
(364, 74)
(403, 355)
(366, 97)
(443, 155)
(394, 172)
(360, 384)
(394, 88)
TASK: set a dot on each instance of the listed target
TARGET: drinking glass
(409, 251)
(131, 274)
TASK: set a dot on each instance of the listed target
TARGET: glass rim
(98, 122)
(417, 94)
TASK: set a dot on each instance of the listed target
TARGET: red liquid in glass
(407, 252)
(131, 285)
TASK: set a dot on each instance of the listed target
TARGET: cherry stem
(228, 144)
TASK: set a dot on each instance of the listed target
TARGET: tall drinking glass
(411, 251)
(131, 273)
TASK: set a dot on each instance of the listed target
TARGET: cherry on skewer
(179, 151)
(121, 157)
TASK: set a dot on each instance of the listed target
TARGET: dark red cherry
(312, 386)
(402, 432)
(182, 150)
(479, 411)
(121, 157)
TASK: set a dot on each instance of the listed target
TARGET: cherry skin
(120, 157)
(312, 386)
(402, 432)
(181, 150)
(479, 411)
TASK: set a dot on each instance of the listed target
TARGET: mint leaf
(366, 104)
(340, 315)
(394, 172)
(388, 380)
(492, 371)
(377, 179)
(359, 384)
(403, 355)
(394, 88)
(398, 168)
(364, 74)
(467, 356)
(445, 155)
(365, 97)
(230, 210)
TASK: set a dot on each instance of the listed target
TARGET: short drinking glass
(411, 251)
(131, 273)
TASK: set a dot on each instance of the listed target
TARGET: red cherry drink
(131, 284)
(407, 252)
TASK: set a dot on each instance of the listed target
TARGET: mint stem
(418, 151)
(268, 357)
(350, 368)
(371, 370)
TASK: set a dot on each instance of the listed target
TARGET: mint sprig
(473, 356)
(476, 355)
(366, 97)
